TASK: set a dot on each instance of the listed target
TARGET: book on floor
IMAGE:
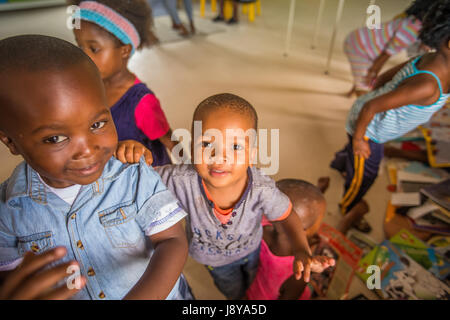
(401, 278)
(439, 193)
(335, 281)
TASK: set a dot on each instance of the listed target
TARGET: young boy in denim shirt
(118, 223)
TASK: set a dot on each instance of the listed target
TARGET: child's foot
(354, 217)
(192, 28)
(233, 21)
(182, 31)
(218, 18)
(323, 183)
(362, 225)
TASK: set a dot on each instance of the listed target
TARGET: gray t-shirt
(210, 242)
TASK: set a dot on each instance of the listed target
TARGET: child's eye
(237, 147)
(94, 50)
(206, 144)
(55, 139)
(98, 125)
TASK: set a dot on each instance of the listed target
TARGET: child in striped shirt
(368, 49)
(403, 98)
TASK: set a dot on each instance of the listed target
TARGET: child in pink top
(274, 279)
(109, 33)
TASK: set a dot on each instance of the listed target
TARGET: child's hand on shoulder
(130, 151)
(26, 283)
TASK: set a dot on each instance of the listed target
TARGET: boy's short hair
(226, 101)
(304, 196)
(436, 24)
(34, 53)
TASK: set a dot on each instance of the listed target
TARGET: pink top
(149, 116)
(272, 272)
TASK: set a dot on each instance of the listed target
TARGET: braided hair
(436, 25)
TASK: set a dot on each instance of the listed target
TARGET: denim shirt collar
(25, 182)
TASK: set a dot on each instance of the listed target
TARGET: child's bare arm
(388, 75)
(293, 227)
(25, 283)
(166, 140)
(304, 262)
(420, 90)
(165, 266)
(292, 289)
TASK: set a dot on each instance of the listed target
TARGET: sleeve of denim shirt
(158, 209)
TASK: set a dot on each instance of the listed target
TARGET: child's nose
(85, 148)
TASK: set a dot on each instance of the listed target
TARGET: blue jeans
(171, 7)
(235, 278)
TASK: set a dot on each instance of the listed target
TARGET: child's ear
(9, 143)
(126, 51)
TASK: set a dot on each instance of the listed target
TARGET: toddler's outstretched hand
(130, 151)
(25, 283)
(320, 263)
(304, 264)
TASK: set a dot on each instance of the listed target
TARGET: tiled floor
(290, 93)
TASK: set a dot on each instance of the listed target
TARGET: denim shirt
(106, 229)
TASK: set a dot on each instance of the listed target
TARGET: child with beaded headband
(110, 32)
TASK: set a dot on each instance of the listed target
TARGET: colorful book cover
(335, 282)
(401, 278)
(425, 255)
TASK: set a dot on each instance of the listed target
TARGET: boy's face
(60, 123)
(102, 48)
(224, 163)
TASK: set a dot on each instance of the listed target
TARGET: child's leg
(189, 12)
(250, 268)
(355, 214)
(220, 16)
(360, 174)
(360, 63)
(235, 278)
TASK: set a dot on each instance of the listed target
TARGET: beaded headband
(110, 20)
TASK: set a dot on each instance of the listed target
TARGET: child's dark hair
(419, 8)
(34, 53)
(436, 25)
(228, 101)
(138, 12)
(305, 195)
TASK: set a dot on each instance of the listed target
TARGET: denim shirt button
(73, 216)
(101, 295)
(80, 244)
(91, 272)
